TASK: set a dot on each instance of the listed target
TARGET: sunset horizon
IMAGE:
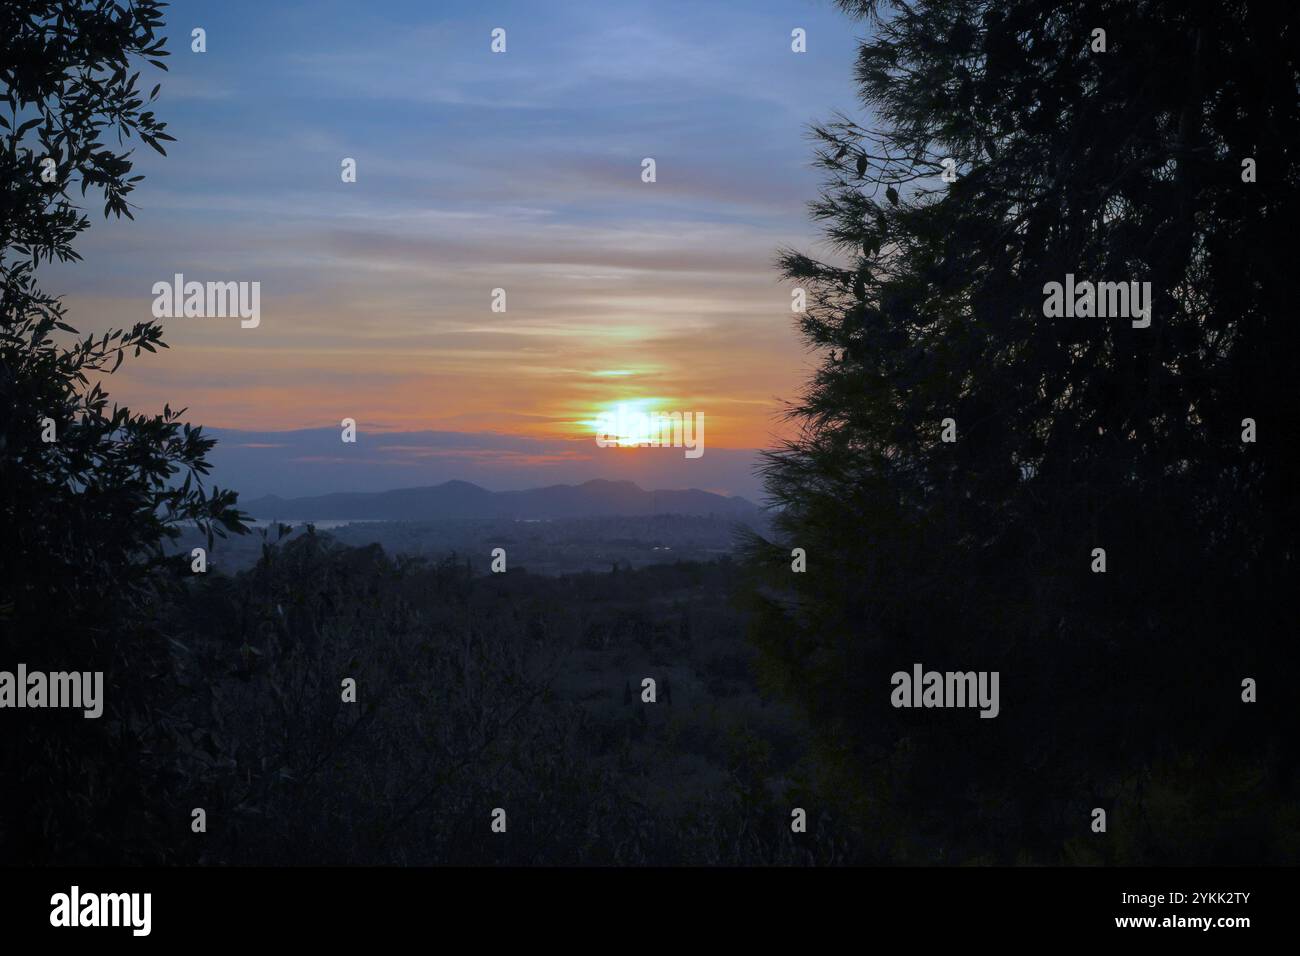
(708, 436)
(493, 263)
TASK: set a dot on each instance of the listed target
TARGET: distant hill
(460, 499)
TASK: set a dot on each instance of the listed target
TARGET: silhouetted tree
(84, 515)
(1070, 433)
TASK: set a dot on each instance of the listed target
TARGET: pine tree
(1070, 433)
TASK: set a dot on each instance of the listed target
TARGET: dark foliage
(1119, 690)
(477, 692)
(83, 516)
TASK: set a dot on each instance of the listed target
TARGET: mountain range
(461, 499)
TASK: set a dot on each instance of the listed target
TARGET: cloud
(476, 171)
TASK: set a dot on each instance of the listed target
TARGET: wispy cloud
(476, 171)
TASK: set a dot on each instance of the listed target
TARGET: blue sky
(477, 170)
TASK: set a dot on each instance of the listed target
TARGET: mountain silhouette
(461, 499)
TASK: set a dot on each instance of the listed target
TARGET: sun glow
(633, 410)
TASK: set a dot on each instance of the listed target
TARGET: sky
(475, 171)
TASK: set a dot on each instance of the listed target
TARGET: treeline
(473, 693)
